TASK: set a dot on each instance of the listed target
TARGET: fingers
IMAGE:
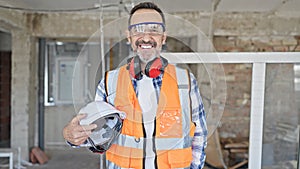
(76, 133)
(87, 128)
(78, 117)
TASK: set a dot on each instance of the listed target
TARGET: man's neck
(143, 65)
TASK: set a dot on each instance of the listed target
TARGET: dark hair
(146, 5)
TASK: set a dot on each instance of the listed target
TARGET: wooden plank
(237, 145)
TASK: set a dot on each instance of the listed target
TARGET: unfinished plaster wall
(233, 32)
(281, 114)
(23, 80)
(239, 32)
(249, 32)
(24, 91)
(238, 78)
(5, 41)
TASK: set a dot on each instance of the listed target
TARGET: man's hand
(75, 133)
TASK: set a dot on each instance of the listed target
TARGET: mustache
(139, 42)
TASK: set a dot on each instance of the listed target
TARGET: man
(165, 123)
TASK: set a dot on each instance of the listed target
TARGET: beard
(147, 55)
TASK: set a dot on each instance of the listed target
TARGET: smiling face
(146, 34)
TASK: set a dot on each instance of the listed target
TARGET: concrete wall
(5, 41)
(24, 91)
(232, 31)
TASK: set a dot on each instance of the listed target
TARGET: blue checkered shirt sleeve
(199, 141)
(100, 91)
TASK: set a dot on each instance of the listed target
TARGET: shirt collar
(159, 77)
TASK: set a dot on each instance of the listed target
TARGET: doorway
(5, 97)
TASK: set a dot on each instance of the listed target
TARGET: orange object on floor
(37, 155)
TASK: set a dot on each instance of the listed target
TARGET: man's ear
(128, 36)
(164, 38)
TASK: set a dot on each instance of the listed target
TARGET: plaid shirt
(199, 141)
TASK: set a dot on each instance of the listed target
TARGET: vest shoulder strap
(183, 78)
(184, 85)
(111, 81)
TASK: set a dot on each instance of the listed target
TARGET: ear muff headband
(155, 67)
(152, 69)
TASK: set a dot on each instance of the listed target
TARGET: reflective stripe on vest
(111, 79)
(111, 165)
(160, 143)
(169, 142)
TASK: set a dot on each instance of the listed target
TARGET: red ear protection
(152, 69)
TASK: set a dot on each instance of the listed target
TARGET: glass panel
(235, 123)
(281, 117)
(59, 65)
(228, 146)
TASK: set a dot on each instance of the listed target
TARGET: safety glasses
(152, 28)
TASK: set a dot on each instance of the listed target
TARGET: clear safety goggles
(153, 28)
(108, 129)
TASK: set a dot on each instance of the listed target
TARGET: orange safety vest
(174, 128)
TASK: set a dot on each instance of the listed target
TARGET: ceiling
(289, 7)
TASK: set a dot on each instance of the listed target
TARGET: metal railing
(259, 61)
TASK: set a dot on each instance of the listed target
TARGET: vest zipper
(154, 146)
(144, 144)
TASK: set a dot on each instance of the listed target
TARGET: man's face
(146, 34)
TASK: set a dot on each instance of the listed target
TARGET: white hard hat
(109, 124)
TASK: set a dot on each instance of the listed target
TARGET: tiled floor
(70, 158)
